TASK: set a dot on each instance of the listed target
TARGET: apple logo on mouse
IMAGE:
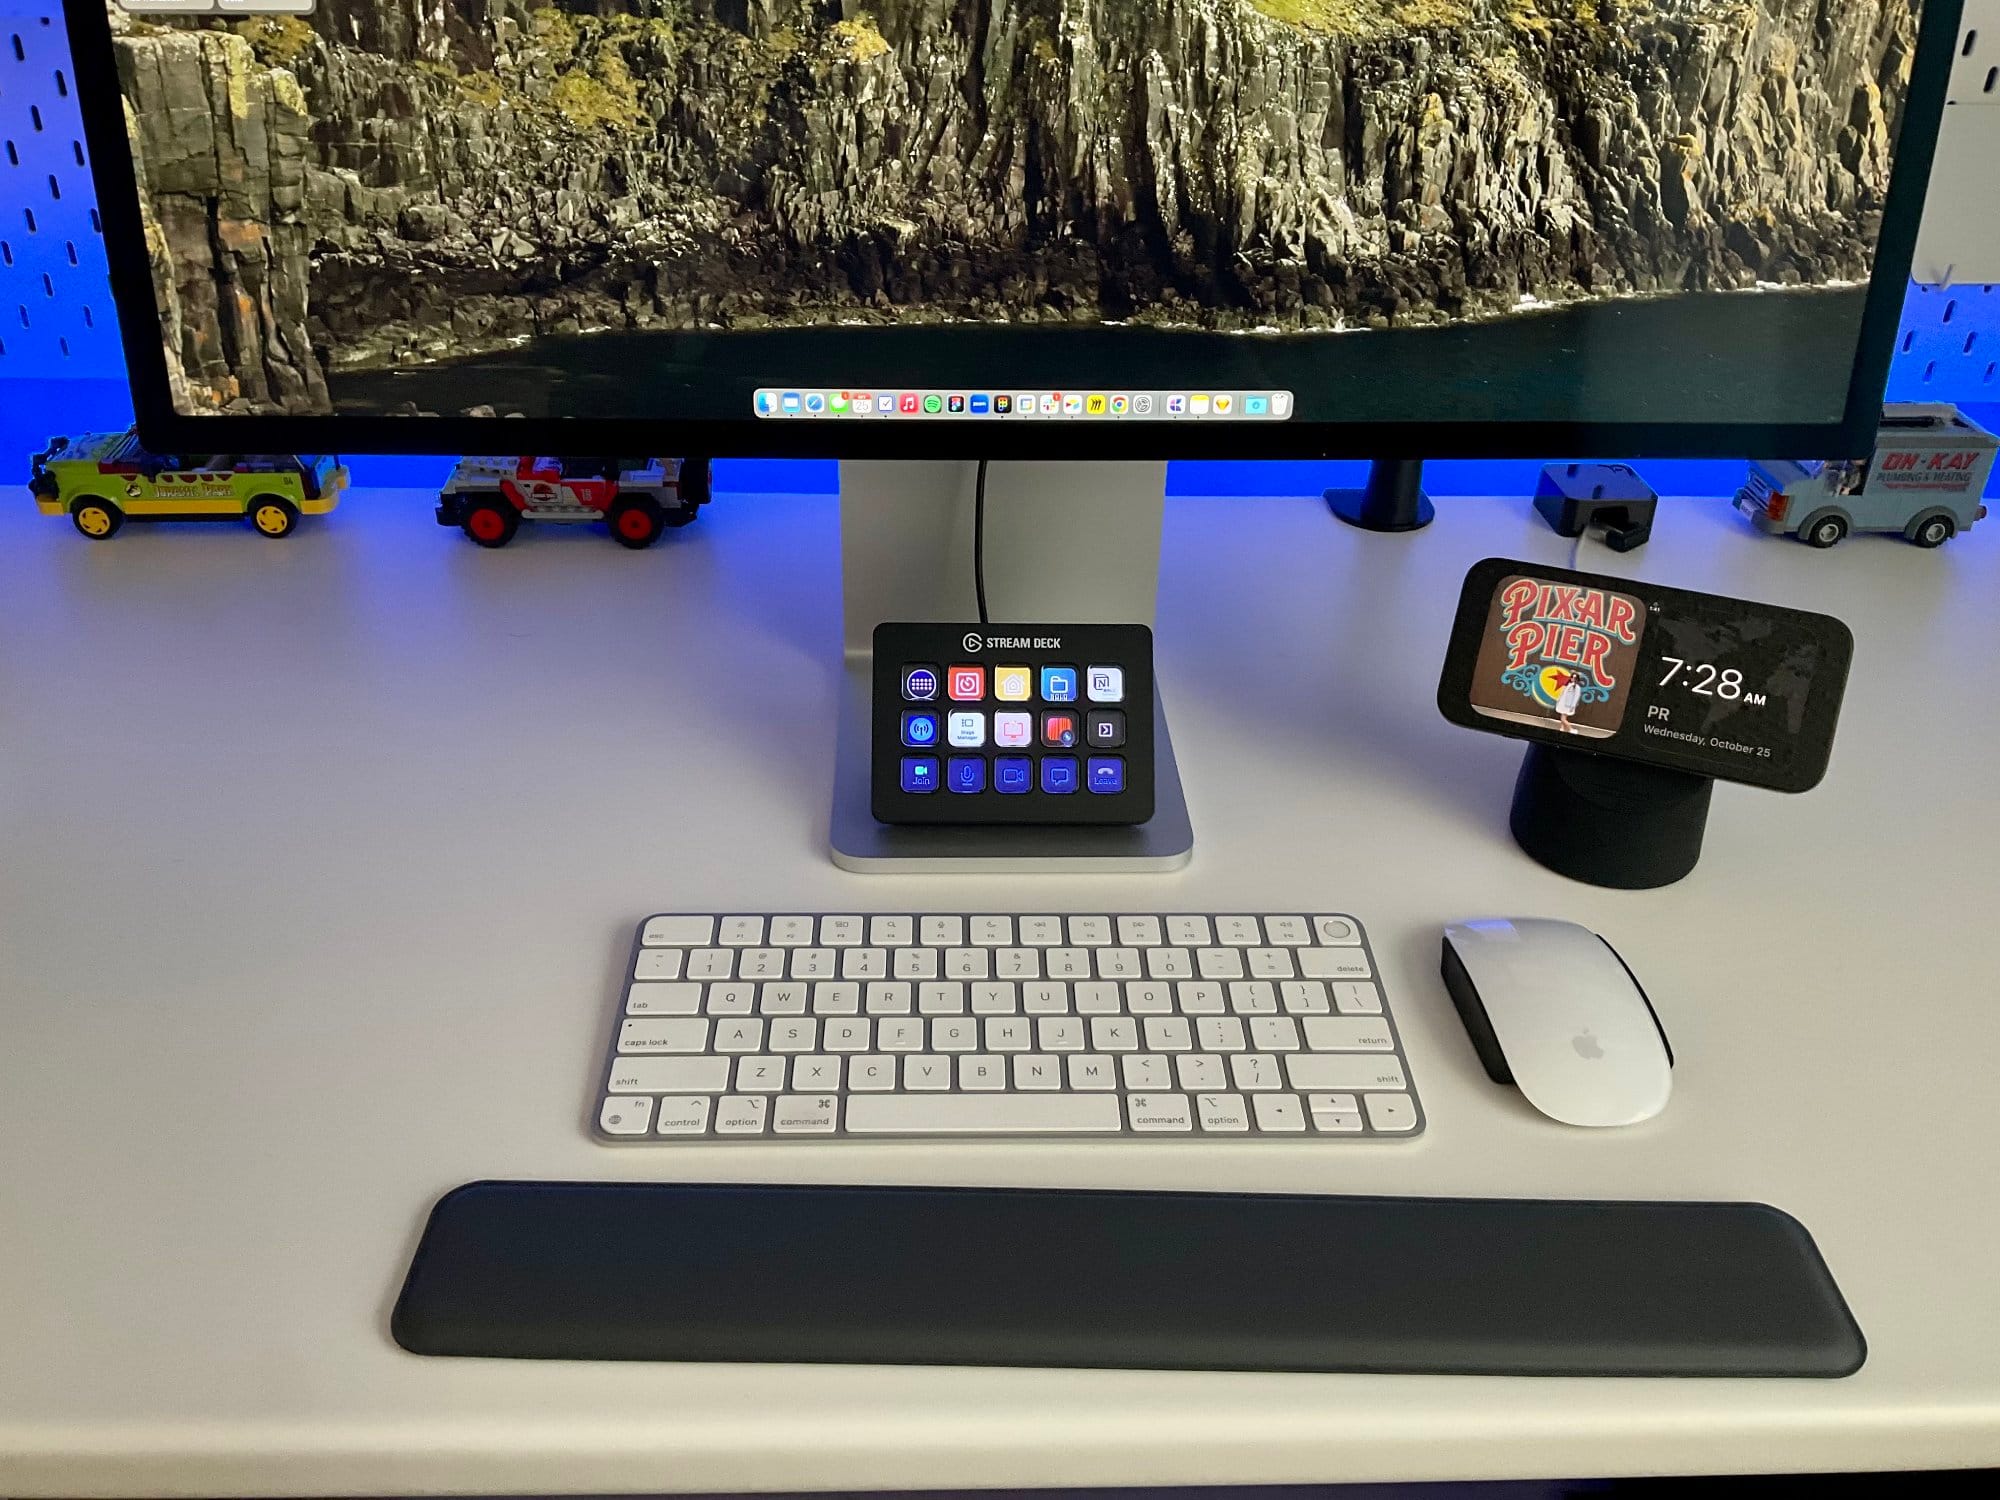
(1586, 1045)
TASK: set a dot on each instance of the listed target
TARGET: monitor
(1020, 228)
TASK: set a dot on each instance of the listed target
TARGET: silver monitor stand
(1068, 543)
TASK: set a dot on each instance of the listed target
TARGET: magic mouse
(1552, 1009)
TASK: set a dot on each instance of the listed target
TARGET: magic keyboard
(851, 1026)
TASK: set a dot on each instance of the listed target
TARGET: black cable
(979, 540)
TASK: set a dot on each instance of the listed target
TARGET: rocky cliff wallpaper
(1552, 209)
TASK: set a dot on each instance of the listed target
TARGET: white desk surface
(319, 860)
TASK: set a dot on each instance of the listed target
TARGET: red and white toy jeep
(488, 498)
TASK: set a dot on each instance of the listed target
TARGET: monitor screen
(1015, 226)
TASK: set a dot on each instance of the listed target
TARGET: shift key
(669, 1075)
(1344, 1070)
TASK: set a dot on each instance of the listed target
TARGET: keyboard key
(1339, 931)
(1148, 997)
(733, 999)
(761, 963)
(739, 1036)
(1200, 1070)
(663, 1035)
(1333, 963)
(1238, 932)
(841, 932)
(992, 932)
(1189, 932)
(659, 963)
(1294, 932)
(662, 999)
(1223, 1113)
(864, 963)
(817, 1073)
(995, 997)
(836, 997)
(1089, 932)
(1344, 1070)
(915, 963)
(900, 1036)
(1042, 932)
(1114, 1034)
(794, 1036)
(760, 1075)
(1158, 1112)
(1279, 1113)
(1219, 1033)
(1146, 1071)
(812, 963)
(856, 1035)
(1357, 999)
(805, 1114)
(892, 932)
(888, 997)
(981, 1114)
(1045, 997)
(1199, 997)
(1391, 1112)
(871, 1073)
(1348, 1034)
(942, 997)
(941, 932)
(1098, 997)
(1336, 1124)
(1274, 1034)
(1118, 963)
(1066, 963)
(967, 963)
(682, 1114)
(1037, 1070)
(1255, 1070)
(926, 1073)
(1303, 997)
(741, 1114)
(781, 998)
(1008, 1034)
(681, 932)
(982, 1072)
(1168, 1033)
(953, 1035)
(1271, 963)
(1018, 963)
(1334, 1104)
(626, 1115)
(1252, 997)
(1090, 1072)
(1140, 932)
(1169, 963)
(1060, 1033)
(1219, 963)
(711, 963)
(791, 932)
(669, 1075)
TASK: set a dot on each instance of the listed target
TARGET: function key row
(917, 964)
(941, 931)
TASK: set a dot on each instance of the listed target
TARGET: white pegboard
(56, 316)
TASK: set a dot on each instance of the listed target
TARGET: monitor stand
(1392, 500)
(1066, 543)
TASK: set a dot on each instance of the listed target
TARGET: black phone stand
(1609, 822)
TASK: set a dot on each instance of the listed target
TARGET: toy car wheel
(1931, 531)
(97, 519)
(273, 515)
(1824, 530)
(636, 520)
(696, 487)
(491, 523)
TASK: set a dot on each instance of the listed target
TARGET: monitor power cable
(979, 540)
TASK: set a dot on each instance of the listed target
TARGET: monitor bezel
(165, 429)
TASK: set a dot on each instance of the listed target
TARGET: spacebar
(980, 1114)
